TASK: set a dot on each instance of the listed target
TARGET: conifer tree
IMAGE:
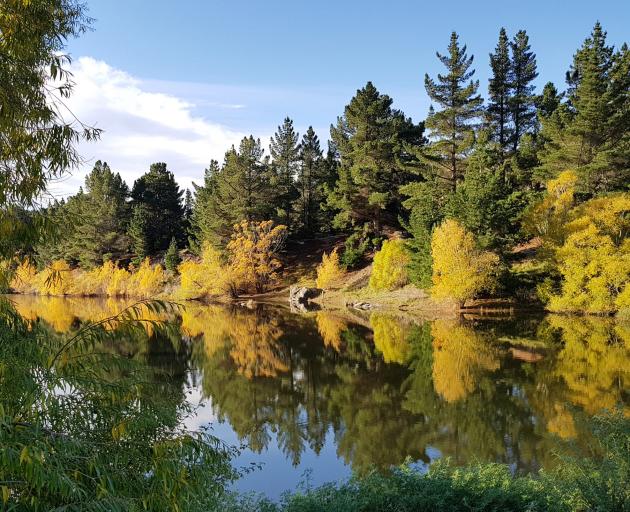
(139, 231)
(241, 190)
(548, 102)
(158, 191)
(202, 220)
(522, 73)
(590, 132)
(284, 150)
(309, 182)
(451, 129)
(499, 90)
(171, 258)
(370, 139)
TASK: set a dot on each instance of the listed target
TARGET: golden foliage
(460, 270)
(390, 338)
(330, 328)
(55, 279)
(547, 219)
(329, 271)
(594, 259)
(390, 266)
(24, 277)
(460, 356)
(253, 255)
(203, 278)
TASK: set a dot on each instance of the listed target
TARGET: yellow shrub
(329, 271)
(460, 270)
(147, 281)
(24, 278)
(594, 259)
(56, 279)
(253, 255)
(331, 328)
(203, 278)
(390, 266)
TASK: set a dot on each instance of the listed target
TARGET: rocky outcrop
(299, 296)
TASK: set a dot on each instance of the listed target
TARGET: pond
(312, 397)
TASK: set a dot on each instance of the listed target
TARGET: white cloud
(141, 127)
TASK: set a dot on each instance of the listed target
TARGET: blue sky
(226, 68)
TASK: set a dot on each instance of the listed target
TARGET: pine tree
(452, 127)
(240, 190)
(309, 181)
(590, 132)
(522, 74)
(549, 101)
(171, 258)
(139, 231)
(158, 191)
(499, 90)
(202, 220)
(284, 150)
(370, 139)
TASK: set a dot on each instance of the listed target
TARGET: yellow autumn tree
(329, 271)
(148, 281)
(55, 279)
(390, 266)
(253, 255)
(460, 270)
(24, 277)
(331, 327)
(205, 277)
(594, 259)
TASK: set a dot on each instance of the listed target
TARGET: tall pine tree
(371, 138)
(522, 103)
(161, 198)
(499, 91)
(451, 128)
(284, 150)
(309, 182)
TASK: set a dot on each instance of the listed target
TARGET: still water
(312, 397)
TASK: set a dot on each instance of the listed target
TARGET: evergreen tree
(371, 138)
(284, 150)
(171, 258)
(499, 90)
(158, 191)
(93, 223)
(139, 231)
(309, 182)
(451, 129)
(549, 101)
(590, 132)
(522, 74)
(241, 190)
(202, 220)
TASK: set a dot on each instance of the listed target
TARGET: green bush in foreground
(577, 485)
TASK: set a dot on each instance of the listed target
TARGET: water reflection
(380, 388)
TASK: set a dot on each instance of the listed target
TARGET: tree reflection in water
(386, 389)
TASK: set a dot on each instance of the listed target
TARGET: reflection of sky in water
(276, 474)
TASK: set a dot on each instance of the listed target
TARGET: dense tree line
(483, 164)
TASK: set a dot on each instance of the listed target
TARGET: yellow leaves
(331, 328)
(253, 252)
(119, 430)
(5, 494)
(203, 278)
(24, 277)
(329, 271)
(460, 270)
(390, 266)
(594, 258)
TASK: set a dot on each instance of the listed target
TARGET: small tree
(390, 266)
(253, 254)
(171, 258)
(460, 270)
(329, 271)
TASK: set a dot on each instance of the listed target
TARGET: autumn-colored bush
(390, 338)
(390, 266)
(203, 278)
(253, 255)
(460, 270)
(594, 260)
(24, 277)
(330, 272)
(147, 281)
